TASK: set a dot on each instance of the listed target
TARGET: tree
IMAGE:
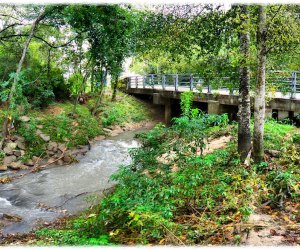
(244, 113)
(15, 79)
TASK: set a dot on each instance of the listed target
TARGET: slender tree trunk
(15, 81)
(259, 104)
(99, 99)
(92, 78)
(244, 134)
(114, 94)
(49, 66)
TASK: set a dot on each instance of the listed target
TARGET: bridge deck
(221, 91)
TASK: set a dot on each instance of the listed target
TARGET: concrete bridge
(166, 90)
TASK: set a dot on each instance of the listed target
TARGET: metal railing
(178, 82)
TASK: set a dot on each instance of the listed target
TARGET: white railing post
(136, 82)
(144, 81)
(163, 82)
(191, 82)
(128, 82)
(294, 82)
(152, 80)
(209, 89)
(176, 82)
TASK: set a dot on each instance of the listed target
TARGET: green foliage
(73, 130)
(186, 100)
(150, 193)
(275, 133)
(296, 138)
(125, 110)
(69, 237)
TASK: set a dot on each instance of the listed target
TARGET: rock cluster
(14, 149)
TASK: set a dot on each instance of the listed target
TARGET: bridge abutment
(213, 107)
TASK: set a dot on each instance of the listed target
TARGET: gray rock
(12, 145)
(25, 118)
(52, 146)
(3, 167)
(15, 165)
(20, 144)
(46, 138)
(273, 153)
(8, 151)
(18, 138)
(60, 162)
(29, 163)
(67, 158)
(17, 153)
(50, 152)
(62, 147)
(38, 132)
(107, 130)
(9, 159)
(51, 160)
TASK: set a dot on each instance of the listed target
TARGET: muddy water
(64, 190)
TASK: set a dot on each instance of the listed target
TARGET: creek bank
(56, 153)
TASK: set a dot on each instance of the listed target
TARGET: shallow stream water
(63, 190)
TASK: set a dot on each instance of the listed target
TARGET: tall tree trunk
(101, 93)
(49, 66)
(259, 104)
(114, 94)
(92, 78)
(15, 81)
(244, 134)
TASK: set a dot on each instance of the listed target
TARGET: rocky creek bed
(38, 197)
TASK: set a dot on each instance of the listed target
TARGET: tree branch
(9, 26)
(39, 38)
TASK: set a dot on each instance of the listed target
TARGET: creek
(44, 196)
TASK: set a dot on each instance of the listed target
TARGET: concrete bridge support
(268, 113)
(168, 111)
(213, 107)
(282, 114)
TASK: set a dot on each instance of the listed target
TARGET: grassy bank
(171, 194)
(72, 129)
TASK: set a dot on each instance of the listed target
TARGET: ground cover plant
(172, 193)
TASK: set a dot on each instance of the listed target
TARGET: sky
(146, 1)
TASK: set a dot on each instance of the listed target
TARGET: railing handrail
(192, 80)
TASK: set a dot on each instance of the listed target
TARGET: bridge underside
(279, 108)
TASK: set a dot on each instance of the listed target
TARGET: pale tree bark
(15, 81)
(244, 114)
(259, 103)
